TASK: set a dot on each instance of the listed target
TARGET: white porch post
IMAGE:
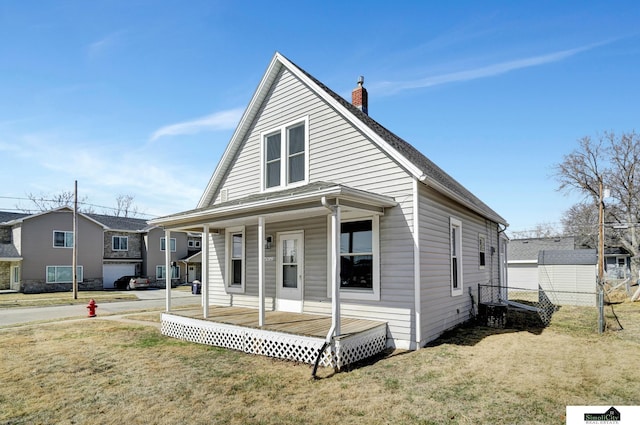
(204, 271)
(167, 267)
(261, 271)
(335, 270)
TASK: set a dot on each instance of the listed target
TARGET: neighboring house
(154, 258)
(617, 263)
(10, 258)
(44, 245)
(36, 250)
(316, 208)
(523, 260)
(123, 247)
(569, 277)
(522, 254)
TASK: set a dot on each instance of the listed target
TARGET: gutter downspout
(335, 278)
(417, 277)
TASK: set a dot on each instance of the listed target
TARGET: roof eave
(340, 192)
(241, 129)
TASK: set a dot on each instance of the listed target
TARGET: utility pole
(600, 285)
(74, 262)
(600, 233)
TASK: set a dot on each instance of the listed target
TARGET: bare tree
(125, 206)
(46, 202)
(541, 230)
(581, 222)
(613, 161)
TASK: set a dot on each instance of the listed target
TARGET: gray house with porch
(315, 209)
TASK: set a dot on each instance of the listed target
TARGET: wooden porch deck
(312, 325)
(292, 336)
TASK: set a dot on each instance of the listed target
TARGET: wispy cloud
(59, 162)
(223, 120)
(106, 42)
(393, 87)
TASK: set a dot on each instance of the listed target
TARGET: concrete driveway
(149, 299)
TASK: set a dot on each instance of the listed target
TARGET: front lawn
(99, 371)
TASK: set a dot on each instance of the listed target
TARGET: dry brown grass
(11, 300)
(97, 371)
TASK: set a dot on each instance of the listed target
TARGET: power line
(31, 210)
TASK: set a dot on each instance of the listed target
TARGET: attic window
(285, 155)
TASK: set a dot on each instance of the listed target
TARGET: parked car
(132, 282)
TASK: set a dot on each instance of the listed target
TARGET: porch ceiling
(291, 204)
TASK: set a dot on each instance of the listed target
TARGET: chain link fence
(498, 305)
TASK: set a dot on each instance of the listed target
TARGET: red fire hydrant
(92, 308)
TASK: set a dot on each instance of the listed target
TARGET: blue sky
(141, 97)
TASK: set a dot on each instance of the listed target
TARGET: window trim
(284, 154)
(372, 294)
(455, 223)
(120, 238)
(79, 272)
(73, 239)
(229, 232)
(172, 244)
(162, 267)
(482, 250)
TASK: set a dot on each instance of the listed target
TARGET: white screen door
(290, 271)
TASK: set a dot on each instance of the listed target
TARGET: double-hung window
(163, 244)
(161, 270)
(455, 241)
(120, 243)
(285, 155)
(62, 239)
(482, 247)
(235, 264)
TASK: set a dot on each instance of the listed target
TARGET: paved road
(148, 299)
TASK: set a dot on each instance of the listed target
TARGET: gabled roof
(6, 217)
(129, 224)
(528, 249)
(55, 210)
(104, 221)
(418, 165)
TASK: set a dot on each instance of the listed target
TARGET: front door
(290, 271)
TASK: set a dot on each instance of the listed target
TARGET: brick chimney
(359, 97)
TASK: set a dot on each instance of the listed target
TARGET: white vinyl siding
(561, 282)
(441, 311)
(337, 152)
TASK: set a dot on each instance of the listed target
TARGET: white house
(316, 208)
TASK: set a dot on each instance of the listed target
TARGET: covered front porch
(278, 256)
(290, 336)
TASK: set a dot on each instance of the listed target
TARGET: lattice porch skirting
(348, 348)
